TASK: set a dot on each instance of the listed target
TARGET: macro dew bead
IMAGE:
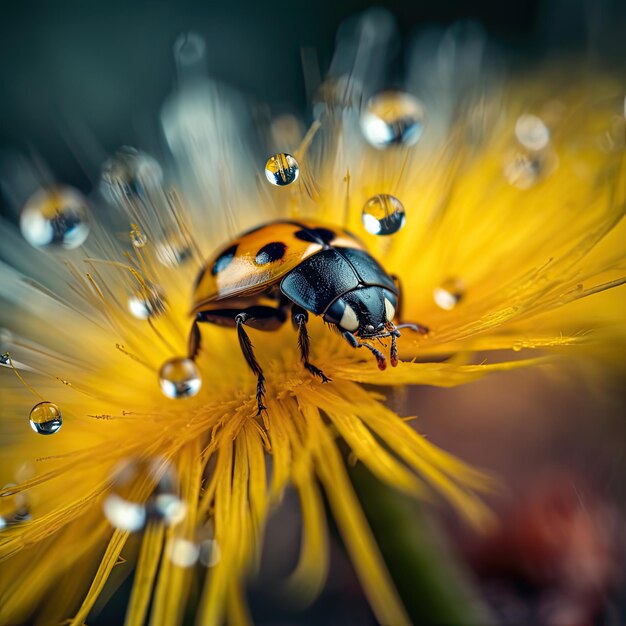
(282, 169)
(55, 217)
(383, 215)
(45, 418)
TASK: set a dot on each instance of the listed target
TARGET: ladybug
(298, 268)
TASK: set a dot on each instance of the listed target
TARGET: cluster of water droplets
(143, 489)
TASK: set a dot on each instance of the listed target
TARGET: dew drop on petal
(124, 514)
(392, 118)
(45, 418)
(531, 132)
(282, 169)
(130, 174)
(182, 552)
(146, 303)
(210, 552)
(137, 238)
(180, 378)
(523, 170)
(383, 214)
(174, 250)
(449, 293)
(55, 217)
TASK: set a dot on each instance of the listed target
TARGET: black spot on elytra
(270, 253)
(223, 260)
(316, 235)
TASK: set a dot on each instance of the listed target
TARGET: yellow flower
(503, 236)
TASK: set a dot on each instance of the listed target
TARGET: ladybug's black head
(366, 312)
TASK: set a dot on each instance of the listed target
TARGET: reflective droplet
(392, 118)
(180, 378)
(525, 169)
(4, 358)
(182, 552)
(210, 553)
(55, 216)
(147, 302)
(383, 215)
(282, 169)
(137, 238)
(123, 514)
(130, 174)
(174, 251)
(45, 418)
(531, 132)
(449, 293)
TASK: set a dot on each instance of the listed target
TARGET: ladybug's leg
(261, 317)
(300, 317)
(355, 343)
(411, 325)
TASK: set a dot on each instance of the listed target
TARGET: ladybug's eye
(342, 314)
(390, 306)
(349, 320)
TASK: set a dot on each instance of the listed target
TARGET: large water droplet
(383, 215)
(45, 418)
(55, 216)
(130, 174)
(449, 293)
(147, 302)
(392, 118)
(180, 378)
(531, 132)
(282, 169)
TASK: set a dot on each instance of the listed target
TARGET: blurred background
(81, 79)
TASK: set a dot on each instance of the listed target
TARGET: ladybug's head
(366, 312)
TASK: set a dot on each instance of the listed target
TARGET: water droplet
(282, 169)
(182, 552)
(525, 169)
(531, 132)
(123, 514)
(55, 216)
(383, 215)
(449, 293)
(180, 378)
(137, 238)
(210, 553)
(174, 251)
(393, 118)
(130, 174)
(45, 418)
(147, 302)
(4, 358)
